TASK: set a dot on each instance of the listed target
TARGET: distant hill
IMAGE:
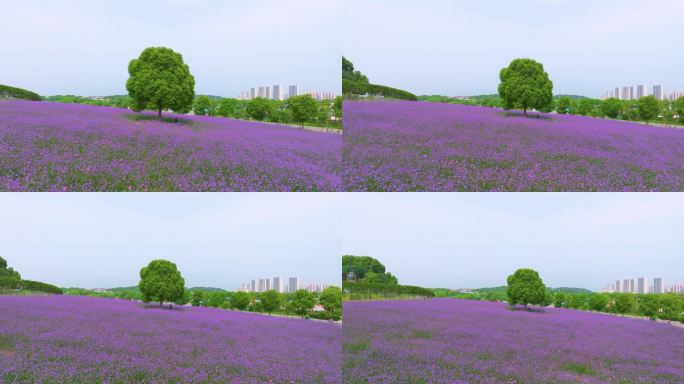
(7, 92)
(356, 83)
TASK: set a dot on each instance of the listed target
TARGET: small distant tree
(271, 301)
(337, 107)
(159, 79)
(197, 298)
(625, 303)
(598, 302)
(648, 305)
(611, 107)
(679, 108)
(587, 107)
(229, 108)
(216, 299)
(564, 106)
(559, 300)
(259, 108)
(303, 108)
(649, 108)
(577, 301)
(525, 287)
(525, 84)
(672, 306)
(240, 300)
(302, 302)
(161, 282)
(331, 300)
(203, 106)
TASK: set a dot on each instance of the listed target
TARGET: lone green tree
(648, 107)
(303, 108)
(331, 300)
(625, 303)
(525, 84)
(271, 301)
(240, 300)
(302, 302)
(259, 108)
(161, 282)
(564, 105)
(525, 287)
(203, 106)
(648, 305)
(598, 302)
(160, 80)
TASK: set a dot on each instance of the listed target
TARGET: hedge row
(358, 287)
(17, 93)
(37, 286)
(356, 88)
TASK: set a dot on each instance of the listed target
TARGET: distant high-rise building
(632, 94)
(268, 93)
(293, 285)
(617, 93)
(642, 285)
(658, 285)
(625, 94)
(618, 286)
(278, 92)
(253, 287)
(278, 284)
(658, 92)
(642, 91)
(252, 93)
(262, 285)
(293, 91)
(625, 285)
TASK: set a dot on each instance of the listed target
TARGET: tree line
(367, 276)
(11, 280)
(355, 84)
(525, 287)
(7, 92)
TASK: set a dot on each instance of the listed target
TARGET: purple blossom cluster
(417, 146)
(70, 147)
(68, 339)
(458, 341)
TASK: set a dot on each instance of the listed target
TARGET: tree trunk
(159, 111)
(525, 114)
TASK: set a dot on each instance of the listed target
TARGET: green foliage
(331, 300)
(564, 106)
(355, 83)
(231, 108)
(625, 303)
(240, 300)
(271, 301)
(360, 265)
(648, 305)
(525, 84)
(679, 108)
(216, 299)
(197, 298)
(302, 302)
(203, 106)
(17, 93)
(37, 286)
(360, 287)
(672, 306)
(160, 80)
(525, 287)
(589, 107)
(259, 108)
(648, 107)
(559, 300)
(161, 282)
(337, 107)
(612, 107)
(598, 302)
(302, 108)
(379, 278)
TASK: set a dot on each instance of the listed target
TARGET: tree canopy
(159, 80)
(240, 300)
(366, 269)
(302, 108)
(648, 107)
(271, 301)
(331, 300)
(525, 287)
(525, 84)
(302, 302)
(160, 281)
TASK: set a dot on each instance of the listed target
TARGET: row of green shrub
(29, 285)
(359, 287)
(17, 93)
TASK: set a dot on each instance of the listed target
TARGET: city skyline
(474, 241)
(643, 285)
(631, 92)
(103, 240)
(277, 92)
(585, 46)
(91, 56)
(279, 284)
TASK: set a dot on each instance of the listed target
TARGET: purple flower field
(70, 147)
(457, 341)
(416, 146)
(66, 339)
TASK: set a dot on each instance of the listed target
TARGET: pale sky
(460, 240)
(458, 47)
(95, 240)
(83, 47)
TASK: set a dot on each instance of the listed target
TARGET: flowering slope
(457, 341)
(64, 339)
(71, 147)
(409, 146)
